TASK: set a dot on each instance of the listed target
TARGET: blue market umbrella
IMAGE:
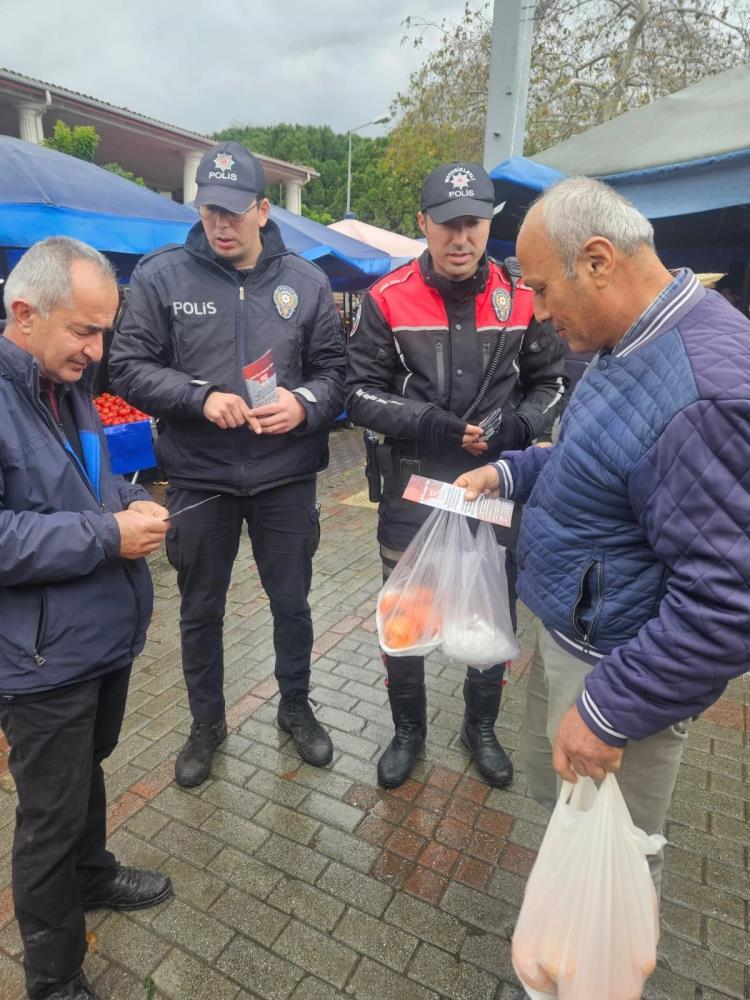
(349, 264)
(517, 183)
(46, 193)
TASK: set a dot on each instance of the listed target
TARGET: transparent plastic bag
(477, 629)
(589, 923)
(410, 605)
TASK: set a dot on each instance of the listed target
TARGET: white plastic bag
(477, 629)
(410, 605)
(589, 923)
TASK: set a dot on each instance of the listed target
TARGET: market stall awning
(710, 118)
(349, 264)
(517, 183)
(45, 193)
(399, 248)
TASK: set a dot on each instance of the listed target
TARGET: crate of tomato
(128, 434)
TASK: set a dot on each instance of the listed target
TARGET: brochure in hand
(444, 496)
(260, 379)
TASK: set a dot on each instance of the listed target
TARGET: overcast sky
(206, 64)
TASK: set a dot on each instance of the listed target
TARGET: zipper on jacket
(588, 636)
(440, 362)
(241, 354)
(41, 630)
(72, 457)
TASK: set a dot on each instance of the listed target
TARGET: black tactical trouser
(284, 528)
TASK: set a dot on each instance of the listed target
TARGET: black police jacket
(190, 324)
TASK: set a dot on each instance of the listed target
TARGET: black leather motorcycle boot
(409, 711)
(478, 732)
(194, 761)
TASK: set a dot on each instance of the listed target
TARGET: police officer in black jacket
(195, 317)
(440, 344)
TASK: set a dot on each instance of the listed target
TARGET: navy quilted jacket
(635, 544)
(70, 607)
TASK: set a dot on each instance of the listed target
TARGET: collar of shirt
(48, 388)
(680, 295)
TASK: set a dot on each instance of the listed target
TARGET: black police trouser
(58, 741)
(284, 528)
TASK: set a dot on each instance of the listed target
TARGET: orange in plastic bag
(589, 923)
(410, 606)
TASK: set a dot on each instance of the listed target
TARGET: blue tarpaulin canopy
(517, 182)
(700, 209)
(684, 161)
(349, 264)
(45, 193)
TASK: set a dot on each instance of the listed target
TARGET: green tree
(591, 60)
(82, 141)
(128, 175)
(377, 196)
(77, 140)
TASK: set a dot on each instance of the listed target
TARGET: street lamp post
(381, 120)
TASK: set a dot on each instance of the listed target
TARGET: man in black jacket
(440, 344)
(195, 317)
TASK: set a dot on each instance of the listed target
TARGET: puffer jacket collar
(665, 312)
(23, 368)
(273, 248)
(469, 288)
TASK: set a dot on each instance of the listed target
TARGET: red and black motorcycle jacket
(422, 340)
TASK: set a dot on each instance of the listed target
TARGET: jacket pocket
(24, 628)
(440, 368)
(41, 630)
(588, 601)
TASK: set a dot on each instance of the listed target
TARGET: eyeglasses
(214, 211)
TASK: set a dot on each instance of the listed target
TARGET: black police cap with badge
(230, 177)
(456, 189)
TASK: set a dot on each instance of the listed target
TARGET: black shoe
(78, 988)
(194, 760)
(409, 711)
(312, 741)
(130, 889)
(478, 733)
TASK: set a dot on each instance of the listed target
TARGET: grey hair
(578, 208)
(42, 276)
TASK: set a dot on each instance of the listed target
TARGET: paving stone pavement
(293, 882)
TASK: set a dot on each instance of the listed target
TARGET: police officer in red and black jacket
(440, 344)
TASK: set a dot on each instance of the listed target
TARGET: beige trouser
(649, 766)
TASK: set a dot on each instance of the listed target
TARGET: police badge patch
(285, 299)
(501, 303)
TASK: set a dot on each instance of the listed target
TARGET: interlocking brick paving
(294, 882)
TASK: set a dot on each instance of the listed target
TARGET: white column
(190, 165)
(294, 197)
(30, 121)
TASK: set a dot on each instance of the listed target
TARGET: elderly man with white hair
(634, 549)
(75, 602)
